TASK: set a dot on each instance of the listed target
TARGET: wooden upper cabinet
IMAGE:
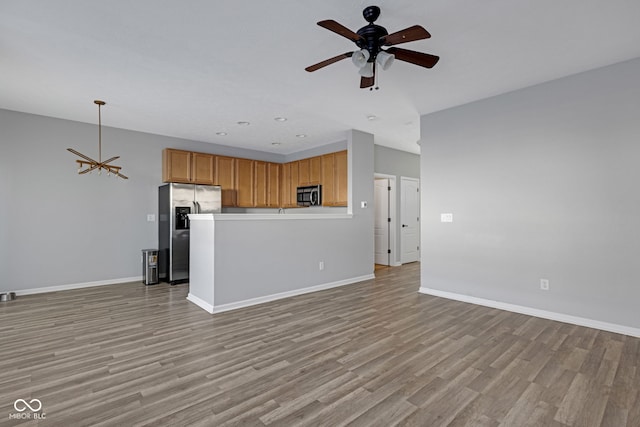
(310, 171)
(187, 167)
(176, 166)
(334, 179)
(303, 171)
(328, 180)
(289, 185)
(254, 183)
(315, 170)
(244, 183)
(225, 177)
(274, 171)
(285, 185)
(293, 184)
(341, 175)
(261, 184)
(202, 168)
(267, 184)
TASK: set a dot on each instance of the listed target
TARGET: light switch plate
(446, 217)
(151, 217)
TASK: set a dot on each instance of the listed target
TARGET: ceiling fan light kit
(370, 40)
(99, 164)
(367, 70)
(360, 57)
(385, 59)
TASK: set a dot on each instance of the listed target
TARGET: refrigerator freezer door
(208, 199)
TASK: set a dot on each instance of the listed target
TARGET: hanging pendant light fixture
(99, 165)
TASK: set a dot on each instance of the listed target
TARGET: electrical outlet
(446, 217)
(151, 217)
(544, 284)
(321, 265)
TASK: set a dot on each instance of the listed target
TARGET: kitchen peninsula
(238, 260)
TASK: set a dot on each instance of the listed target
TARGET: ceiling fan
(370, 40)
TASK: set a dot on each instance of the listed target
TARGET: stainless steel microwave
(310, 195)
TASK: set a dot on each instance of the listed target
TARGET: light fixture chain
(99, 134)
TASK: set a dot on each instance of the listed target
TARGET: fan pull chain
(375, 80)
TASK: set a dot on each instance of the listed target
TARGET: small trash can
(7, 296)
(149, 266)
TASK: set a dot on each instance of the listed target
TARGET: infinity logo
(24, 405)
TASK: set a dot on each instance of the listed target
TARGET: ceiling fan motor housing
(371, 35)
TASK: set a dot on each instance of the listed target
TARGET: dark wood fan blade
(366, 82)
(417, 58)
(407, 35)
(329, 61)
(337, 28)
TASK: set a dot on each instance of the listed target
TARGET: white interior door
(410, 216)
(382, 222)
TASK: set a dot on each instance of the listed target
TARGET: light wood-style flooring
(375, 353)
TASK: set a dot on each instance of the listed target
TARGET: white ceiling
(193, 68)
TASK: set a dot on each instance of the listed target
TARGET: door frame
(416, 180)
(393, 211)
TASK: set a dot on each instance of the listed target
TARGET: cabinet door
(261, 184)
(273, 184)
(244, 183)
(202, 168)
(341, 178)
(225, 177)
(176, 166)
(328, 180)
(304, 167)
(293, 188)
(285, 185)
(315, 170)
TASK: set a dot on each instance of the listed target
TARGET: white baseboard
(269, 298)
(560, 317)
(200, 303)
(77, 286)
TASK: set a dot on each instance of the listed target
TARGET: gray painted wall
(265, 257)
(398, 163)
(542, 183)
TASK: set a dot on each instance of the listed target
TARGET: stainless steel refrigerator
(175, 202)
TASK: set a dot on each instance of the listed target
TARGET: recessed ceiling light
(371, 117)
(301, 135)
(244, 123)
(280, 119)
(275, 143)
(221, 133)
